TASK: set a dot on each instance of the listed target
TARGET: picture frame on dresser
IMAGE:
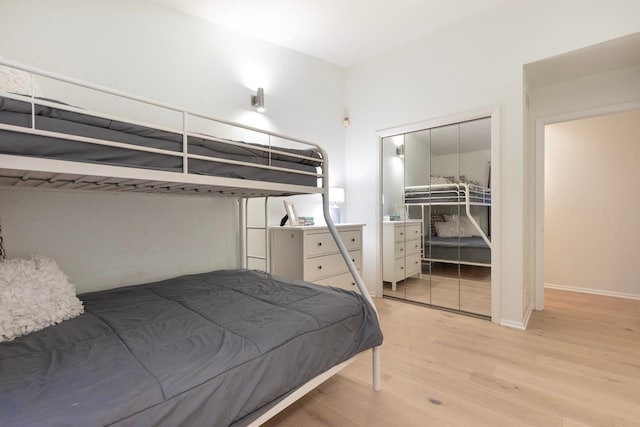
(291, 212)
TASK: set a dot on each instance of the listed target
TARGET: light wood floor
(578, 364)
(467, 289)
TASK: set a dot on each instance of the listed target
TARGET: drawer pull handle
(353, 239)
(319, 267)
(353, 283)
(401, 268)
(402, 234)
(319, 243)
(353, 260)
(401, 249)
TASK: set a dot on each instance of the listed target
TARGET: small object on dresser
(394, 217)
(306, 220)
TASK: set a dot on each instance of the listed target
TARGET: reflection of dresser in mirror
(401, 250)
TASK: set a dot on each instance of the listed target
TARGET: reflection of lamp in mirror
(336, 197)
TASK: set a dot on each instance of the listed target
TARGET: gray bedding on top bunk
(18, 113)
(465, 249)
(210, 349)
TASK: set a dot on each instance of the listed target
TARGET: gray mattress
(211, 349)
(466, 249)
(18, 113)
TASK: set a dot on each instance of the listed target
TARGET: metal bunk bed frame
(17, 171)
(465, 194)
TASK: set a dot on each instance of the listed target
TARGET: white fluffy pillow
(467, 229)
(16, 81)
(449, 229)
(34, 294)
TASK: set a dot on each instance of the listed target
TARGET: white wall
(475, 63)
(591, 204)
(103, 240)
(598, 90)
(152, 51)
(474, 165)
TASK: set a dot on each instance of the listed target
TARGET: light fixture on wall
(336, 196)
(400, 150)
(257, 100)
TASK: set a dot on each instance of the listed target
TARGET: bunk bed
(229, 347)
(472, 249)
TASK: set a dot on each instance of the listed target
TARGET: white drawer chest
(401, 250)
(309, 253)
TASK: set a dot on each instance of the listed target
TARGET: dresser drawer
(351, 239)
(413, 247)
(344, 281)
(405, 267)
(403, 249)
(318, 244)
(413, 264)
(327, 265)
(323, 243)
(404, 232)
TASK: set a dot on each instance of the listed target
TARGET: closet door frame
(496, 258)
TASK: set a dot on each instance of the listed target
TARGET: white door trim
(496, 229)
(539, 168)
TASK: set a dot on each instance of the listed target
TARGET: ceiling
(342, 32)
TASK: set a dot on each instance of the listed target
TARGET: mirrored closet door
(436, 197)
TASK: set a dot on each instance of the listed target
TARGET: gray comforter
(211, 349)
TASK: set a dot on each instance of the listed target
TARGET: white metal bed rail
(269, 149)
(450, 195)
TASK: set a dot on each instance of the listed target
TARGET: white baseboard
(513, 324)
(519, 325)
(592, 291)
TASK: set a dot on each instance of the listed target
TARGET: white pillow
(34, 294)
(17, 81)
(467, 229)
(449, 229)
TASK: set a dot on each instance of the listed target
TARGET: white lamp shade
(336, 195)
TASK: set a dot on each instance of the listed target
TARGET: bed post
(242, 223)
(347, 259)
(375, 353)
(467, 202)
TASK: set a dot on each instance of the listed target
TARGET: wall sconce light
(257, 100)
(400, 151)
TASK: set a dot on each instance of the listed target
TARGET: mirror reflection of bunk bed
(219, 348)
(467, 242)
(440, 177)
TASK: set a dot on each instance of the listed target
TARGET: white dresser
(309, 253)
(401, 245)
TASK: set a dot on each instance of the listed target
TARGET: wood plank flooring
(458, 287)
(578, 364)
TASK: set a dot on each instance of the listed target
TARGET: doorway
(587, 202)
